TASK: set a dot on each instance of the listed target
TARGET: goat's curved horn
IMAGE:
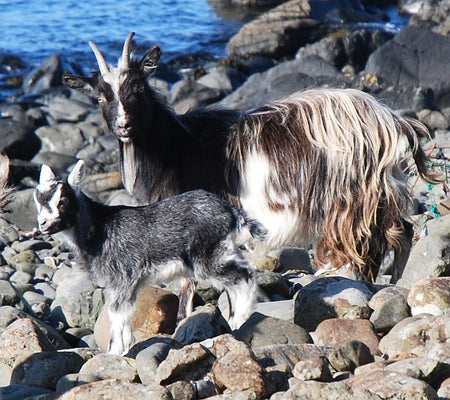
(100, 60)
(126, 51)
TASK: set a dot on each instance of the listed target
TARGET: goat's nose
(123, 127)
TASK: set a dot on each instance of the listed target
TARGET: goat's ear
(80, 83)
(76, 175)
(149, 63)
(46, 175)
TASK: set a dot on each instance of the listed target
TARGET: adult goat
(320, 166)
(195, 235)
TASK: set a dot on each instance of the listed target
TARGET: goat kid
(195, 236)
(320, 166)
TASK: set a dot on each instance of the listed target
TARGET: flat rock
(388, 384)
(431, 371)
(260, 330)
(289, 355)
(111, 366)
(116, 389)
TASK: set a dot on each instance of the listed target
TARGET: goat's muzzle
(123, 132)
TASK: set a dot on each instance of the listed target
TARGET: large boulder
(285, 79)
(279, 32)
(415, 57)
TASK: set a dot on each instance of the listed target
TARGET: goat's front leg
(121, 337)
(186, 298)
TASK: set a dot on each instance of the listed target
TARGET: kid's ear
(46, 175)
(149, 63)
(76, 175)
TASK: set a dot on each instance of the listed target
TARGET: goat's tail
(252, 226)
(413, 130)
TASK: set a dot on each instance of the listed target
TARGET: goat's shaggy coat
(194, 236)
(320, 166)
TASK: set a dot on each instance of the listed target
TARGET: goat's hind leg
(121, 337)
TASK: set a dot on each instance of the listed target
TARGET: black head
(121, 91)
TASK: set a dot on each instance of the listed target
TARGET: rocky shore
(311, 336)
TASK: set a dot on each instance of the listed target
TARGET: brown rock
(430, 296)
(389, 385)
(116, 389)
(156, 312)
(336, 332)
(282, 29)
(239, 372)
(423, 336)
(188, 363)
(22, 336)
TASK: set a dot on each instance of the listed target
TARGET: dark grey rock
(350, 356)
(8, 296)
(331, 297)
(148, 360)
(346, 48)
(392, 311)
(45, 368)
(17, 139)
(20, 392)
(260, 330)
(415, 57)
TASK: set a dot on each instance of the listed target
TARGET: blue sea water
(36, 29)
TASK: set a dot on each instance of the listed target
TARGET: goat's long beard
(129, 167)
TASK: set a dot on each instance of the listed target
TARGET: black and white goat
(195, 235)
(321, 166)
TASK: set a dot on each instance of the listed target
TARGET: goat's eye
(101, 100)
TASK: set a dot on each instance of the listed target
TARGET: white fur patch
(283, 226)
(169, 271)
(50, 213)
